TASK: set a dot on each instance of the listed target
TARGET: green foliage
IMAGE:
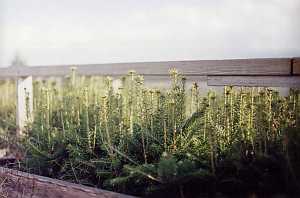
(167, 168)
(144, 141)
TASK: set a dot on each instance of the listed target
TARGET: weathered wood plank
(264, 66)
(263, 81)
(296, 66)
(25, 185)
(165, 81)
(190, 78)
(8, 72)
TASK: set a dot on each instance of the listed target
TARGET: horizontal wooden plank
(264, 66)
(8, 72)
(189, 78)
(296, 66)
(263, 81)
(20, 184)
(165, 81)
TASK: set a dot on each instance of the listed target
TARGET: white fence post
(24, 103)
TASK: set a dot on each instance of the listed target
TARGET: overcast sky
(46, 32)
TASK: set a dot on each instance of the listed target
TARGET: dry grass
(3, 187)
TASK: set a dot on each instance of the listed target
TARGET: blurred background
(96, 31)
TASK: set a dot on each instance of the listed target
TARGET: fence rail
(235, 67)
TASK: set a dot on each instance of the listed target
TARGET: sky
(54, 32)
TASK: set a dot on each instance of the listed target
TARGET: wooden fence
(273, 72)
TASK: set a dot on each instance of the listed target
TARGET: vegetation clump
(149, 142)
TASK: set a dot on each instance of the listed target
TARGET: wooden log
(24, 102)
(25, 185)
(260, 81)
